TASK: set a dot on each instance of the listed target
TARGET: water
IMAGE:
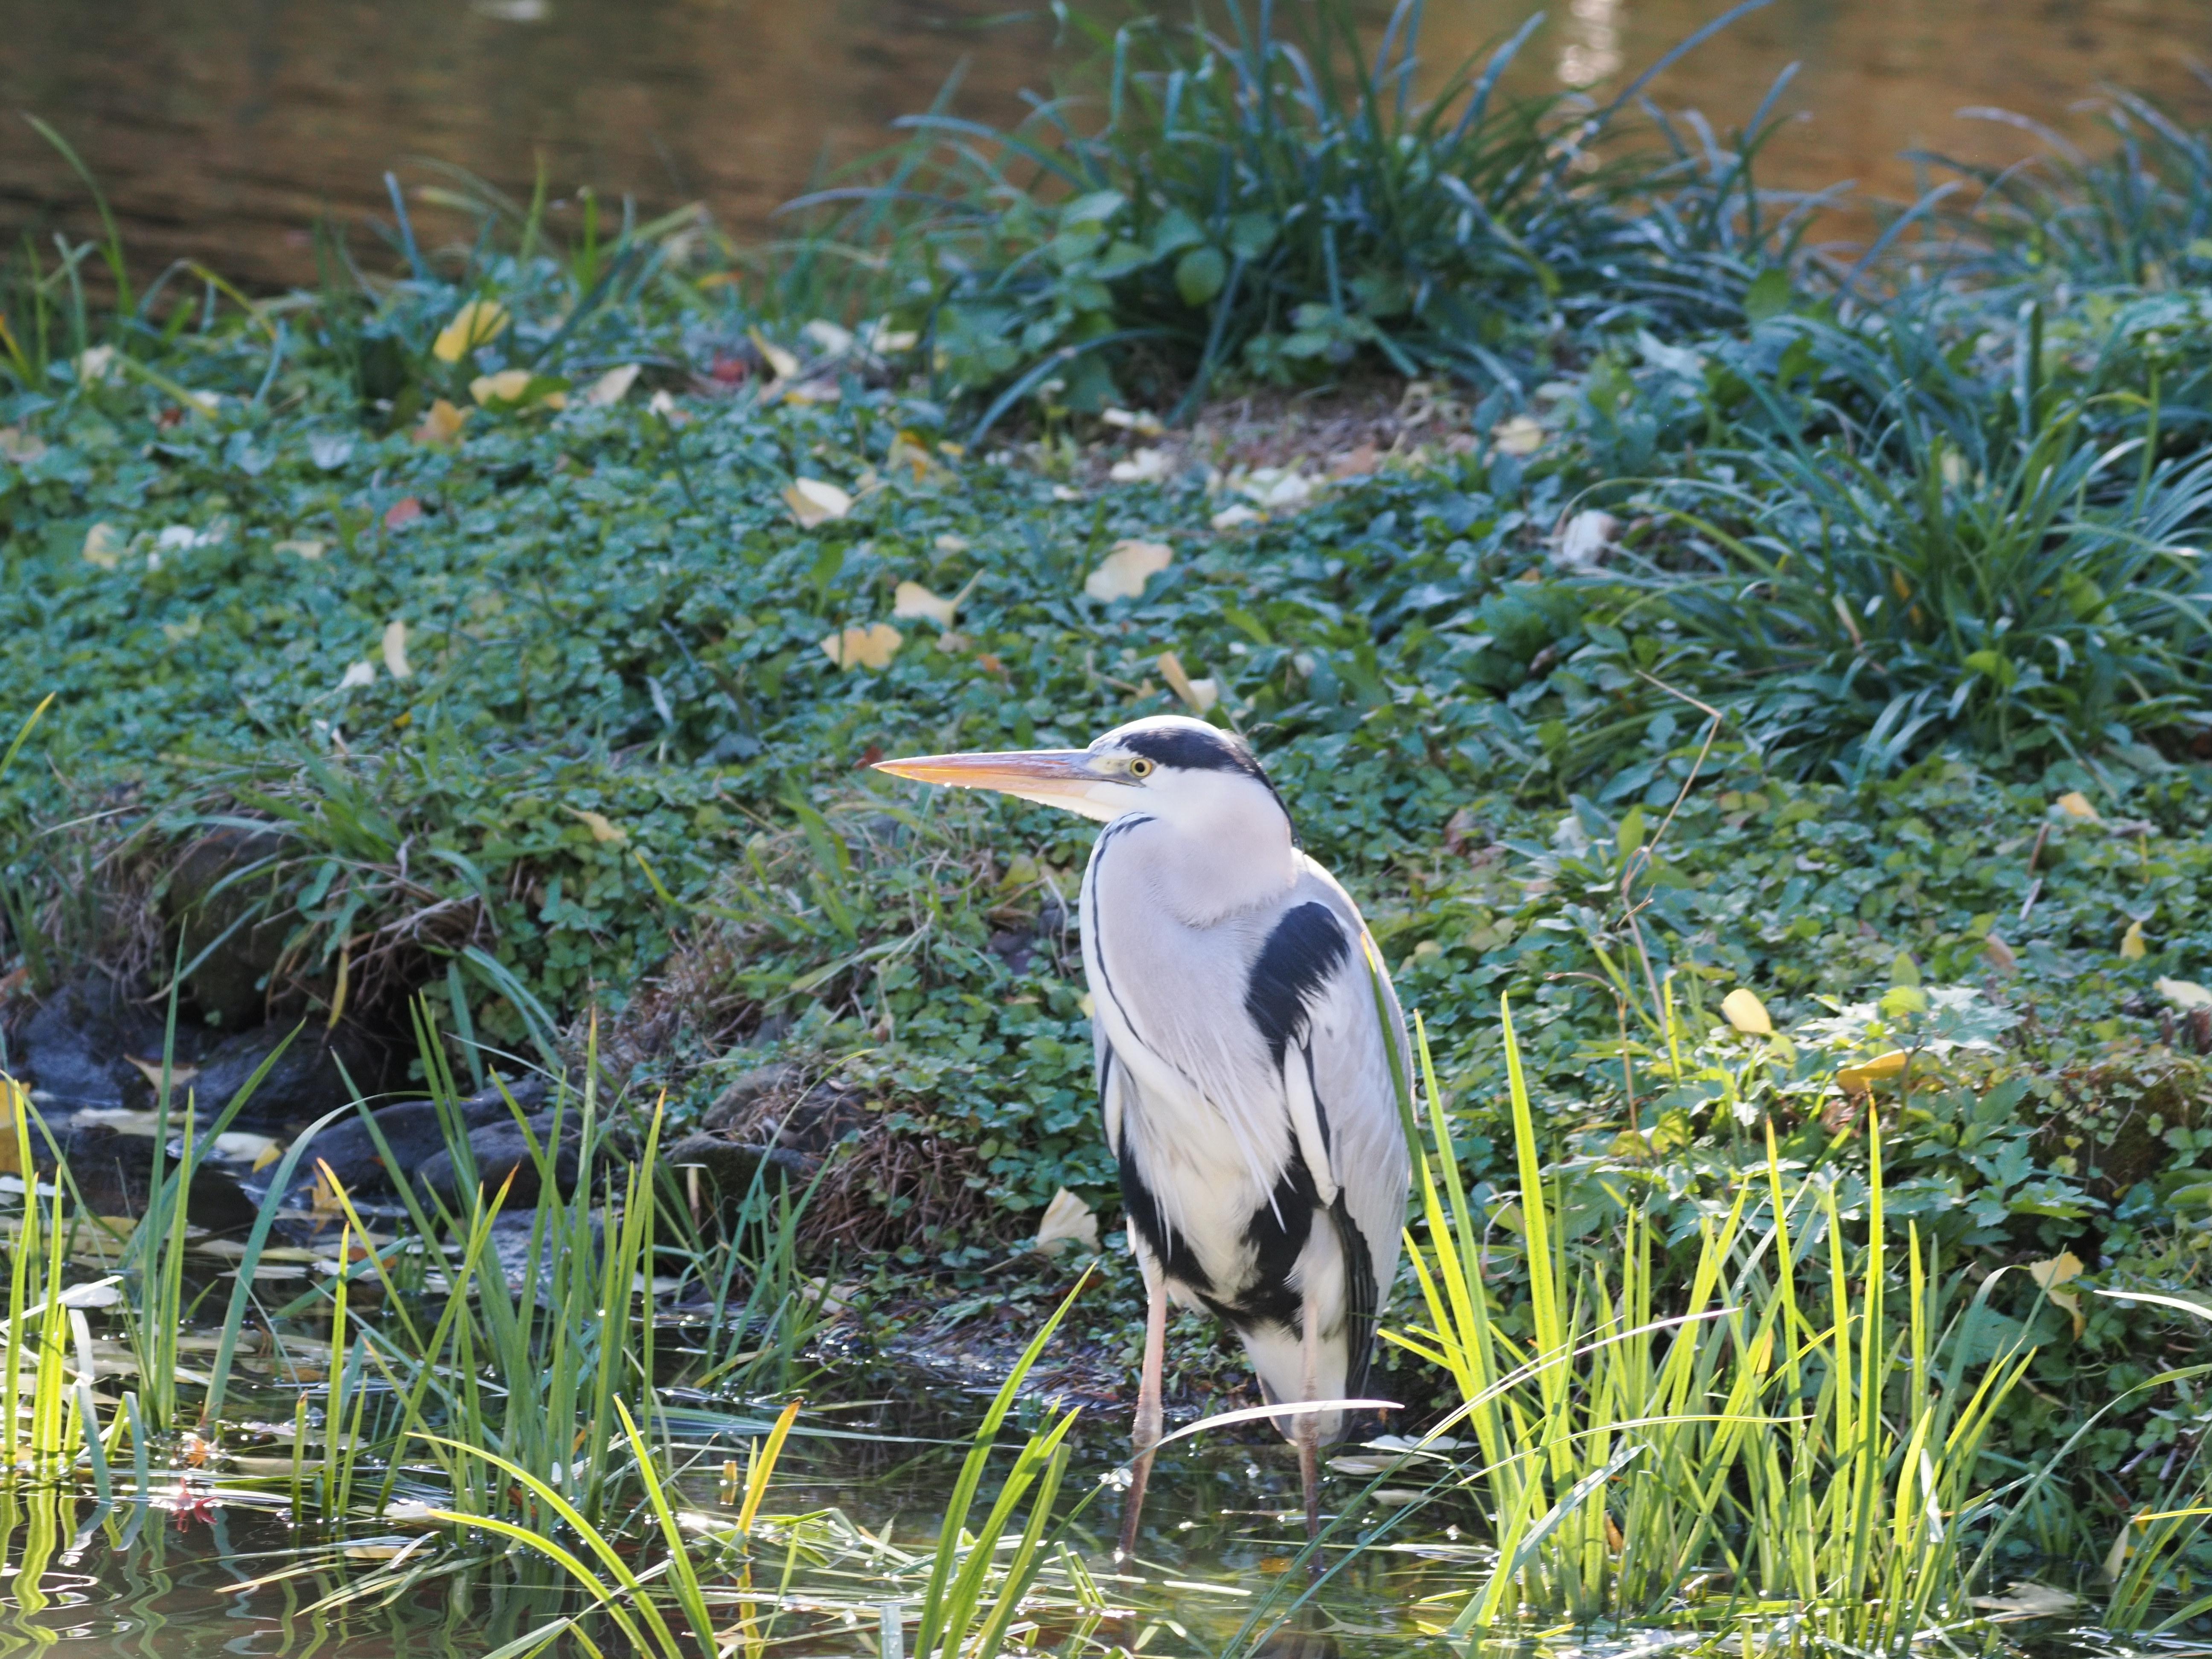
(214, 1566)
(222, 128)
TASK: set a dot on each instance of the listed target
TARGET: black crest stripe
(1191, 750)
(1307, 945)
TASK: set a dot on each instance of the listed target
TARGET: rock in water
(730, 1168)
(114, 1174)
(75, 1049)
(308, 1079)
(410, 1129)
(500, 1151)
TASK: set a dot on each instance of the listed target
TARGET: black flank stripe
(1359, 1299)
(1306, 947)
(1175, 1255)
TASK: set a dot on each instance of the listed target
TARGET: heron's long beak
(1065, 778)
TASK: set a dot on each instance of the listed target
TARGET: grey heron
(1244, 1027)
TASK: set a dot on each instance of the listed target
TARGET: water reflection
(222, 127)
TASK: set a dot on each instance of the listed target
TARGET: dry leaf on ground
(2185, 993)
(913, 599)
(1744, 1011)
(477, 323)
(612, 386)
(1584, 541)
(2133, 946)
(2052, 1274)
(395, 649)
(360, 674)
(442, 425)
(863, 648)
(1122, 574)
(602, 829)
(2075, 805)
(1517, 434)
(1198, 696)
(1067, 1220)
(302, 548)
(103, 546)
(1861, 1076)
(813, 502)
(21, 446)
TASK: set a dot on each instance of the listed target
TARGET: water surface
(222, 128)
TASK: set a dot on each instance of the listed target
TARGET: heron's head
(1169, 767)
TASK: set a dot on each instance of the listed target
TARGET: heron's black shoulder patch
(1193, 750)
(1307, 945)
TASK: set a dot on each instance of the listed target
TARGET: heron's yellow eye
(1140, 767)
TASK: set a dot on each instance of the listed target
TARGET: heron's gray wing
(1346, 1066)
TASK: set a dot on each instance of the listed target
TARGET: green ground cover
(1753, 633)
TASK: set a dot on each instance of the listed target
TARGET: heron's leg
(1146, 1434)
(1307, 1434)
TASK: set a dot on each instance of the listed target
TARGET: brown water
(222, 128)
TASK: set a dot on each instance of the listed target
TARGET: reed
(1801, 1423)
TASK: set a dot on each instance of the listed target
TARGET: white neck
(1221, 845)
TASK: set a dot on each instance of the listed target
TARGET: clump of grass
(1908, 562)
(1781, 1422)
(1264, 199)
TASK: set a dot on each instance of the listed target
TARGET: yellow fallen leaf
(1143, 422)
(663, 404)
(267, 1156)
(814, 501)
(505, 387)
(949, 543)
(1122, 574)
(2052, 1274)
(781, 363)
(1861, 1076)
(1067, 1220)
(2133, 946)
(863, 648)
(395, 649)
(598, 823)
(612, 386)
(2025, 1599)
(1517, 434)
(477, 323)
(442, 424)
(95, 364)
(21, 446)
(1198, 696)
(104, 545)
(913, 599)
(2001, 956)
(2185, 993)
(1744, 1011)
(301, 549)
(151, 1071)
(356, 675)
(2075, 805)
(912, 451)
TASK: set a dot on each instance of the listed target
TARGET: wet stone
(413, 1133)
(309, 1078)
(731, 1169)
(114, 1176)
(500, 1150)
(75, 1050)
